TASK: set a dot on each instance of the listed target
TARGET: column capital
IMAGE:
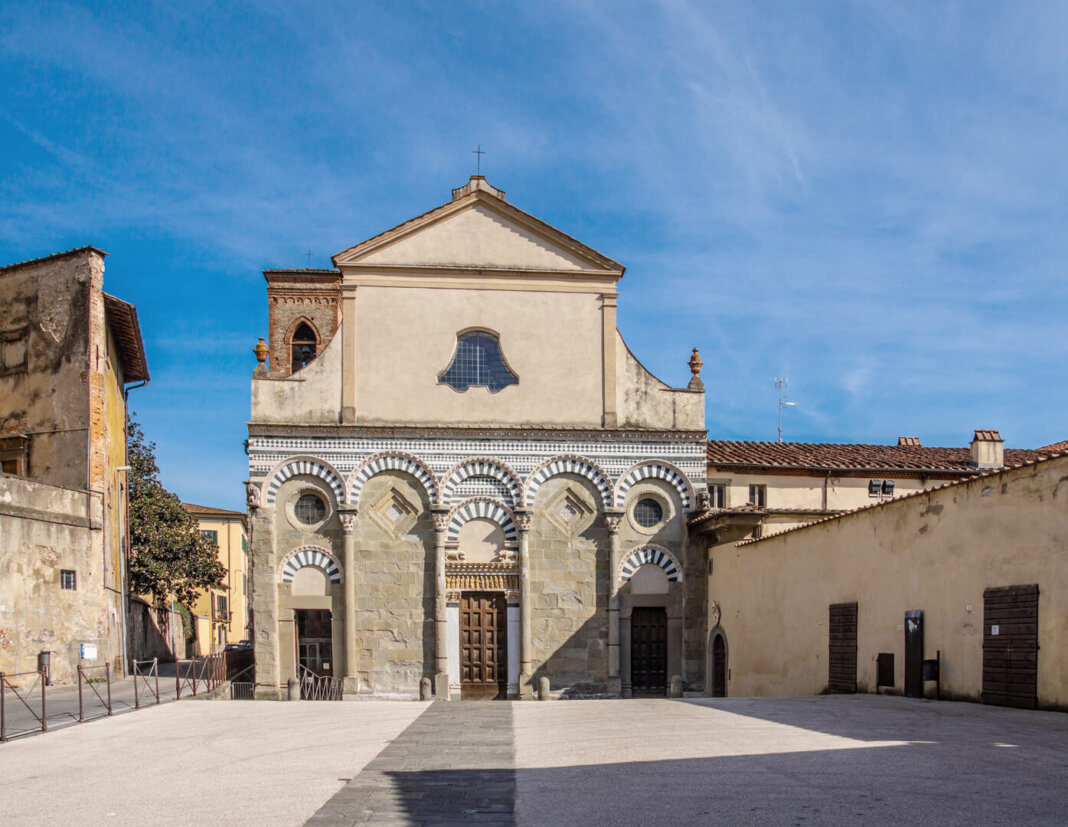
(347, 515)
(440, 515)
(613, 518)
(523, 518)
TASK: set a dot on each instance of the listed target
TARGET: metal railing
(140, 677)
(24, 695)
(85, 677)
(319, 687)
(243, 690)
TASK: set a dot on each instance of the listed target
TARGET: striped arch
(658, 555)
(309, 466)
(482, 467)
(569, 464)
(655, 469)
(481, 507)
(392, 461)
(317, 556)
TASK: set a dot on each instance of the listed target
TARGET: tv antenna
(780, 383)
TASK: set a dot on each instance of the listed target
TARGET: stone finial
(252, 494)
(261, 352)
(695, 368)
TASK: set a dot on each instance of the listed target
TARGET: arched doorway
(719, 667)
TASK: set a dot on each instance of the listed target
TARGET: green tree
(167, 554)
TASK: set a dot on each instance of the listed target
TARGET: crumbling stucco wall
(45, 529)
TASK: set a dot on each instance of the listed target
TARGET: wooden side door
(648, 650)
(842, 656)
(483, 647)
(1010, 646)
(719, 667)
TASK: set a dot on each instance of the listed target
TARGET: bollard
(425, 692)
(543, 689)
(293, 688)
(676, 687)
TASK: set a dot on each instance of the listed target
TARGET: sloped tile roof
(985, 473)
(86, 248)
(852, 456)
(207, 510)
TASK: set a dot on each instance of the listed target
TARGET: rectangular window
(221, 603)
(9, 466)
(68, 580)
(717, 496)
(210, 536)
(758, 495)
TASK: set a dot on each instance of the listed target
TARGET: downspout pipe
(125, 502)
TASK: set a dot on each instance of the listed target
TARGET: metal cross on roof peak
(479, 153)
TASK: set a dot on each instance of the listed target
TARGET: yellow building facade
(221, 615)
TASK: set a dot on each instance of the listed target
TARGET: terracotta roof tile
(207, 509)
(987, 472)
(87, 248)
(833, 456)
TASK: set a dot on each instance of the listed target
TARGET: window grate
(68, 580)
(478, 362)
(648, 512)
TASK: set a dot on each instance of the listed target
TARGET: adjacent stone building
(68, 354)
(459, 471)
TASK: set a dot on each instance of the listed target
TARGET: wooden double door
(648, 651)
(483, 646)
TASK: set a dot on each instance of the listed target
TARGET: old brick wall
(292, 296)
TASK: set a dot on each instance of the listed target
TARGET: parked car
(240, 646)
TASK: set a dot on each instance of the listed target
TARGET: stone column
(264, 584)
(440, 516)
(613, 518)
(523, 519)
(348, 529)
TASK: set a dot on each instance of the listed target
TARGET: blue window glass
(478, 363)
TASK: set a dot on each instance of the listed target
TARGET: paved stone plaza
(794, 761)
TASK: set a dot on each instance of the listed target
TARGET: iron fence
(22, 694)
(141, 677)
(319, 687)
(86, 678)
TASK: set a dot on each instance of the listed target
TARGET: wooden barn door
(842, 658)
(648, 650)
(1010, 646)
(483, 657)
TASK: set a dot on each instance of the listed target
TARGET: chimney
(988, 449)
(908, 441)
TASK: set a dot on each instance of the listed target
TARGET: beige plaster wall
(935, 552)
(407, 337)
(643, 401)
(796, 491)
(309, 396)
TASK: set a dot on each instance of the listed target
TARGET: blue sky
(868, 198)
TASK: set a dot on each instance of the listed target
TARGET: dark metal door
(314, 646)
(1010, 646)
(842, 657)
(483, 655)
(648, 650)
(914, 654)
(719, 667)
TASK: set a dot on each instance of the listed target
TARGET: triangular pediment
(478, 231)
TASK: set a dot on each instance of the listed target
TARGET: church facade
(458, 471)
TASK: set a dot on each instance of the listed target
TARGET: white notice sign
(995, 630)
(89, 651)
